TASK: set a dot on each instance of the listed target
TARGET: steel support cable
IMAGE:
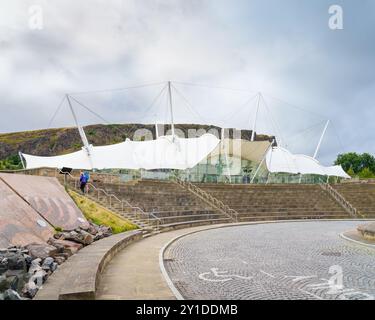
(232, 114)
(251, 108)
(149, 108)
(200, 117)
(91, 111)
(108, 122)
(56, 112)
(160, 100)
(273, 122)
(294, 106)
(276, 129)
(117, 89)
(306, 130)
(155, 100)
(338, 138)
(212, 87)
(189, 105)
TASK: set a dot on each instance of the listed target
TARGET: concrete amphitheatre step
(195, 223)
(173, 205)
(300, 213)
(287, 210)
(360, 195)
(179, 208)
(166, 214)
(190, 218)
(264, 202)
(289, 217)
(169, 208)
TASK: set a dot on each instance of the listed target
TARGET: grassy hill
(50, 142)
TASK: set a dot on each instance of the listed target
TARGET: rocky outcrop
(23, 270)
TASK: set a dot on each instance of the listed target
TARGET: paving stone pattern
(279, 261)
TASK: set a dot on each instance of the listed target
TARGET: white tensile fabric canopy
(282, 161)
(166, 152)
(242, 149)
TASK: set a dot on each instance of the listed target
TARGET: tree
(351, 172)
(366, 173)
(356, 162)
(368, 161)
(349, 160)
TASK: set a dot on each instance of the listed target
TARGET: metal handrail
(341, 200)
(150, 217)
(233, 214)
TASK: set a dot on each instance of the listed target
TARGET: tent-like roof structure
(166, 152)
(243, 149)
(172, 152)
(280, 160)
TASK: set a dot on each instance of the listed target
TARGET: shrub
(366, 173)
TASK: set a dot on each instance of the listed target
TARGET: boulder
(3, 265)
(70, 247)
(80, 236)
(30, 289)
(47, 263)
(90, 228)
(16, 261)
(4, 283)
(39, 277)
(87, 238)
(99, 236)
(42, 251)
(28, 260)
(107, 231)
(60, 259)
(53, 267)
(11, 295)
(35, 266)
(16, 279)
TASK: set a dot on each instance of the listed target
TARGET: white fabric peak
(166, 152)
(280, 160)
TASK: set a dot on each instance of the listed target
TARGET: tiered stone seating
(360, 195)
(276, 202)
(177, 207)
(172, 204)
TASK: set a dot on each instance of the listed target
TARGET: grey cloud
(283, 48)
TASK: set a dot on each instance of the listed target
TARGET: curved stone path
(134, 273)
(293, 260)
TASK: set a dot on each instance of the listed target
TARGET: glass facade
(223, 170)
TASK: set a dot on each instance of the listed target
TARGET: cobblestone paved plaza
(293, 260)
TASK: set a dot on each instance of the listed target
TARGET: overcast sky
(306, 72)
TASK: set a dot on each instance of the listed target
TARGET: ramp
(20, 224)
(48, 197)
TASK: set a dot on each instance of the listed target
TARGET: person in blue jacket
(83, 182)
(87, 175)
